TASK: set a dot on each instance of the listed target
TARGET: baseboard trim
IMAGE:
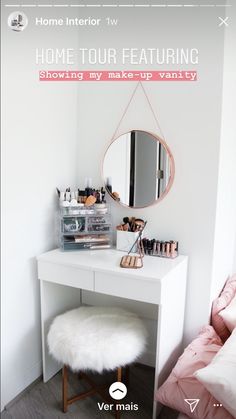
(22, 393)
(148, 358)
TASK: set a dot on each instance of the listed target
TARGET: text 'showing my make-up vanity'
(161, 282)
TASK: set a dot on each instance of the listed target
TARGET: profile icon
(17, 21)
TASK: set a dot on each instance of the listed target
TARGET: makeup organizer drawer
(90, 230)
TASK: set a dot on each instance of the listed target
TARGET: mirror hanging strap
(127, 107)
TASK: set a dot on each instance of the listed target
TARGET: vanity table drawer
(128, 287)
(66, 275)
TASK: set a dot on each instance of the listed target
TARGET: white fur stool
(96, 339)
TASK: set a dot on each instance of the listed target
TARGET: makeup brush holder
(125, 240)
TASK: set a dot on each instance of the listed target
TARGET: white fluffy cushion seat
(96, 338)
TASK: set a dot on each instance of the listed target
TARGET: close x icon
(223, 21)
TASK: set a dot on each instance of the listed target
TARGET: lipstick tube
(167, 249)
(173, 248)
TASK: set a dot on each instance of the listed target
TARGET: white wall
(224, 247)
(39, 152)
(189, 114)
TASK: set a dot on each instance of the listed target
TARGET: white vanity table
(161, 281)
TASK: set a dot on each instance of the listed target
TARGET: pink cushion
(221, 303)
(181, 384)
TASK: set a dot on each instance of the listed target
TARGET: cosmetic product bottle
(82, 196)
(73, 201)
(173, 248)
(88, 191)
(109, 184)
(163, 252)
(88, 186)
(167, 249)
(103, 192)
(149, 247)
(68, 197)
(154, 247)
(98, 198)
(62, 197)
(144, 241)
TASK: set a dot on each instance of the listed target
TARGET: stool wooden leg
(127, 376)
(119, 378)
(117, 416)
(119, 374)
(65, 388)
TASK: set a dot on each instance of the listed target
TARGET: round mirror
(138, 169)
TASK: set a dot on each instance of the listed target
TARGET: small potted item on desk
(133, 261)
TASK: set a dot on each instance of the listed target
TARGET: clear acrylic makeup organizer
(85, 228)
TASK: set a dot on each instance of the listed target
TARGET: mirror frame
(172, 169)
